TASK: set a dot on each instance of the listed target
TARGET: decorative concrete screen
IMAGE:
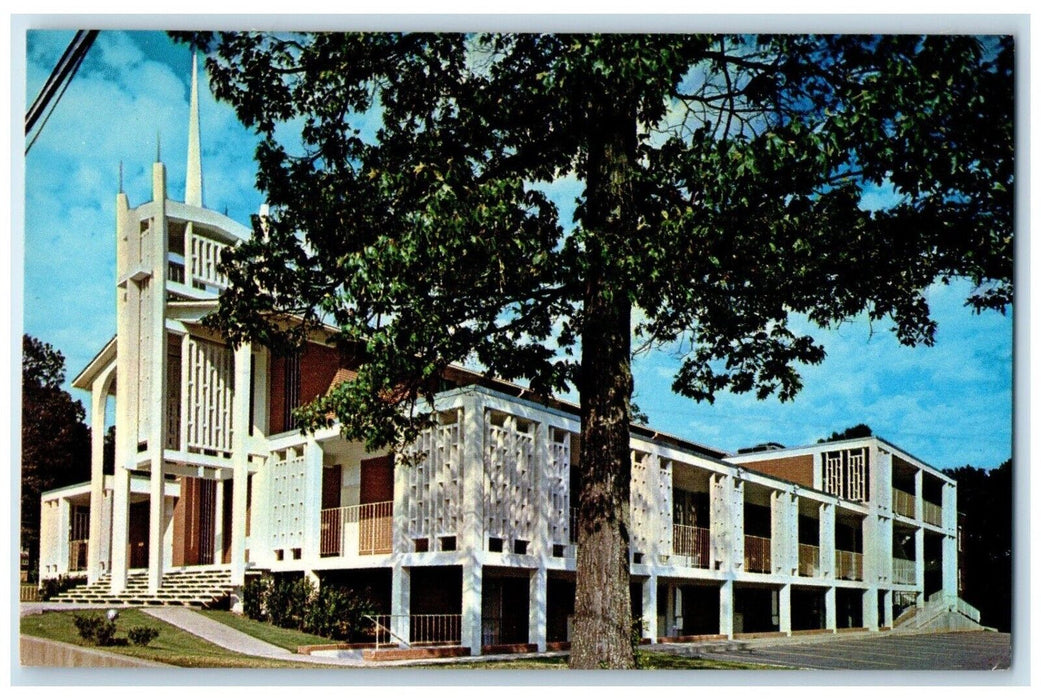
(205, 257)
(509, 477)
(435, 479)
(650, 504)
(209, 384)
(845, 473)
(144, 365)
(287, 499)
(557, 482)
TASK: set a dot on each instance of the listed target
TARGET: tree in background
(55, 440)
(985, 500)
(723, 183)
(860, 430)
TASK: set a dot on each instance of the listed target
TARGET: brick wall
(798, 469)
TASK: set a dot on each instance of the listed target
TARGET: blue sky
(949, 405)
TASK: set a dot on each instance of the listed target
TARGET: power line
(58, 82)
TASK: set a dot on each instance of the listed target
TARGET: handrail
(809, 559)
(903, 571)
(692, 542)
(372, 520)
(849, 565)
(757, 554)
(903, 503)
(390, 633)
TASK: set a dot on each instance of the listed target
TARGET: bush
(288, 601)
(96, 630)
(254, 597)
(338, 613)
(142, 636)
(53, 586)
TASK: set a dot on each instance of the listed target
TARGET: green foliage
(985, 500)
(55, 441)
(859, 430)
(254, 596)
(142, 636)
(96, 630)
(330, 611)
(53, 586)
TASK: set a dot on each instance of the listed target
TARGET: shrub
(142, 636)
(254, 597)
(96, 629)
(338, 613)
(53, 586)
(288, 601)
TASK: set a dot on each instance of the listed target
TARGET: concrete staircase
(198, 589)
(939, 614)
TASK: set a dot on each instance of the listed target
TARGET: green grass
(280, 637)
(173, 645)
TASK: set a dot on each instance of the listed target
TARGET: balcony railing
(429, 630)
(809, 559)
(368, 526)
(693, 543)
(932, 513)
(903, 571)
(849, 565)
(903, 503)
(757, 554)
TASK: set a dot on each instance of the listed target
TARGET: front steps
(198, 589)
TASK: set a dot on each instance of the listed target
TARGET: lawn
(287, 639)
(650, 660)
(173, 645)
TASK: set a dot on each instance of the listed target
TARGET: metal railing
(849, 565)
(903, 571)
(809, 559)
(417, 630)
(757, 554)
(692, 542)
(903, 503)
(369, 526)
(932, 513)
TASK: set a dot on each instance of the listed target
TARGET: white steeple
(193, 178)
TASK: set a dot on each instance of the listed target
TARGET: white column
(156, 357)
(120, 526)
(218, 522)
(737, 524)
(240, 468)
(313, 457)
(887, 608)
(949, 564)
(99, 399)
(827, 540)
(155, 521)
(829, 609)
(537, 608)
(650, 608)
(400, 604)
(919, 565)
(720, 533)
(472, 534)
(870, 609)
(726, 609)
(64, 521)
(784, 609)
(471, 618)
(918, 498)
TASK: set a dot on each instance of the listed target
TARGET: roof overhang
(101, 362)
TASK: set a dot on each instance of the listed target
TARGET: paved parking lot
(931, 652)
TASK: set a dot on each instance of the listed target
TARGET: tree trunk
(603, 618)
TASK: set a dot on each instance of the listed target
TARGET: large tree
(723, 191)
(55, 440)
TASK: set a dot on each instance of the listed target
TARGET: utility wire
(58, 82)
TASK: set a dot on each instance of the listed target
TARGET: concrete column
(120, 527)
(473, 575)
(155, 523)
(919, 565)
(784, 532)
(870, 609)
(313, 457)
(737, 515)
(949, 564)
(887, 608)
(155, 355)
(218, 522)
(400, 605)
(650, 608)
(99, 398)
(64, 523)
(240, 469)
(829, 609)
(784, 609)
(537, 608)
(720, 533)
(919, 501)
(726, 609)
(827, 540)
